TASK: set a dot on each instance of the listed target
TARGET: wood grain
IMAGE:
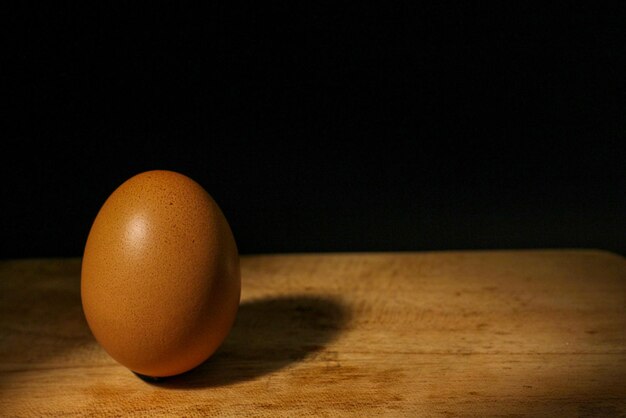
(484, 333)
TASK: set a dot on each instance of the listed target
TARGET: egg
(160, 276)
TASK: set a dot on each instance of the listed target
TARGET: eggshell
(160, 280)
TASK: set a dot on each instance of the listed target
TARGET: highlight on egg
(160, 278)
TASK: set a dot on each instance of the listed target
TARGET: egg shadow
(268, 334)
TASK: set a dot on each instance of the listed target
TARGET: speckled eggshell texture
(160, 281)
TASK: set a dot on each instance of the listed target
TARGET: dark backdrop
(322, 127)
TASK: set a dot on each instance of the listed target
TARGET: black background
(322, 127)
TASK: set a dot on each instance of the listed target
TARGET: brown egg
(160, 281)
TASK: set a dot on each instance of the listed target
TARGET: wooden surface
(536, 333)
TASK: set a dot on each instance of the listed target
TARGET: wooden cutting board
(483, 333)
